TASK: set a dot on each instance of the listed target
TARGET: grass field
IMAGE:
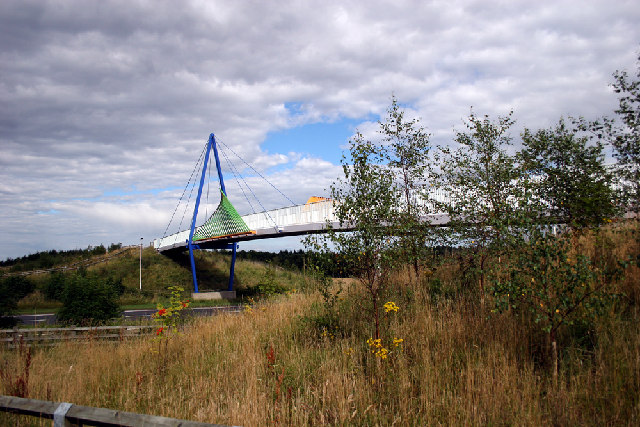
(296, 360)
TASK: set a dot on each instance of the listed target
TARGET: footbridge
(225, 227)
(315, 216)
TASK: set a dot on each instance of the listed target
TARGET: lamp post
(141, 264)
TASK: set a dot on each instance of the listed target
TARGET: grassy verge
(160, 272)
(301, 359)
(456, 366)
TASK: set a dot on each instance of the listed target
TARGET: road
(50, 318)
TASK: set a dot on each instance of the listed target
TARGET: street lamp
(141, 264)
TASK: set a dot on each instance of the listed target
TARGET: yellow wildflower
(391, 306)
(382, 353)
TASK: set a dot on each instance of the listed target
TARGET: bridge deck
(292, 221)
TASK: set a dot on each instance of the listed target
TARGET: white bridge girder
(291, 221)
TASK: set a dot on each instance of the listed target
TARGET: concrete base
(208, 295)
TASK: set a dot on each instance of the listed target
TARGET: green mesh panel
(224, 221)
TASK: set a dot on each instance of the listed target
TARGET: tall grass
(275, 363)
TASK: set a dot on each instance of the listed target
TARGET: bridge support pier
(211, 146)
(233, 266)
(213, 295)
(193, 268)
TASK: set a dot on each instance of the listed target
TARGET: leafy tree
(564, 180)
(8, 304)
(115, 246)
(20, 286)
(364, 202)
(87, 299)
(572, 182)
(556, 285)
(268, 285)
(12, 289)
(406, 150)
(626, 141)
(98, 250)
(54, 287)
(485, 191)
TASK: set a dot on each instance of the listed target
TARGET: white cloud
(119, 97)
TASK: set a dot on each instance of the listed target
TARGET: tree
(626, 141)
(556, 285)
(364, 202)
(485, 191)
(98, 250)
(54, 286)
(114, 247)
(571, 181)
(406, 150)
(87, 299)
(12, 289)
(563, 171)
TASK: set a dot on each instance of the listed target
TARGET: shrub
(268, 285)
(88, 300)
(12, 289)
(54, 287)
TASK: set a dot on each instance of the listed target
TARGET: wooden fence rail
(66, 414)
(49, 336)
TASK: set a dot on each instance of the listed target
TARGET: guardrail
(49, 336)
(67, 414)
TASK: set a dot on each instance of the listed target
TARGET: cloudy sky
(105, 105)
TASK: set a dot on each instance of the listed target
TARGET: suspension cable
(259, 174)
(182, 196)
(236, 174)
(255, 197)
(195, 181)
(206, 206)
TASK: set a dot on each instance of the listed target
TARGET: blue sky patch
(321, 140)
(49, 212)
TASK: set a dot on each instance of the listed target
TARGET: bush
(268, 285)
(88, 300)
(54, 287)
(12, 289)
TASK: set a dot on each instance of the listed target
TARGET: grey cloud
(121, 95)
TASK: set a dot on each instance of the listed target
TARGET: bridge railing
(178, 238)
(318, 212)
(279, 219)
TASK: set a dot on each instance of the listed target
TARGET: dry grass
(459, 365)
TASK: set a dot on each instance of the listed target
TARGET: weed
(16, 383)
